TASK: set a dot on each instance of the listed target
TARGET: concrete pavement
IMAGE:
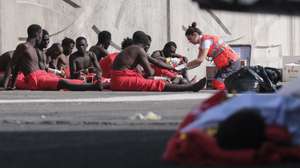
(27, 110)
(90, 129)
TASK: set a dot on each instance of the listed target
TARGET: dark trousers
(223, 73)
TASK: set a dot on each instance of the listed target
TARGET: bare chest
(83, 62)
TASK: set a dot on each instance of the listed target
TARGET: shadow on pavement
(122, 148)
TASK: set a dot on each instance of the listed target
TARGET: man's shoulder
(91, 54)
(95, 48)
(73, 55)
(156, 53)
(61, 57)
(23, 46)
(134, 48)
(7, 54)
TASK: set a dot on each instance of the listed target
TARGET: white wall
(123, 17)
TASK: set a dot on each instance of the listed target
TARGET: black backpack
(255, 78)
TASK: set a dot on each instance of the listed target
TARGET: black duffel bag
(255, 78)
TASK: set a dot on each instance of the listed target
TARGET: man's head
(68, 46)
(81, 44)
(142, 39)
(104, 38)
(45, 39)
(126, 43)
(243, 130)
(34, 31)
(170, 48)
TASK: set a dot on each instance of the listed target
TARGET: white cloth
(275, 109)
(205, 44)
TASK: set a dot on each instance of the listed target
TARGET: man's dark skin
(26, 60)
(155, 61)
(82, 60)
(5, 67)
(63, 59)
(132, 56)
(161, 63)
(170, 51)
(100, 49)
(54, 52)
(68, 48)
(135, 55)
(43, 61)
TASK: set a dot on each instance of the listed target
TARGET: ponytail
(193, 28)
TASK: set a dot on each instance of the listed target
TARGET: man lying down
(243, 130)
(240, 121)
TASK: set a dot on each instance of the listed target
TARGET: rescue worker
(211, 46)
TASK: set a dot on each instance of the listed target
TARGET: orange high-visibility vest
(219, 51)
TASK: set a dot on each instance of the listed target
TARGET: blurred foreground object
(289, 7)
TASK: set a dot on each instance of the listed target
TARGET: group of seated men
(34, 66)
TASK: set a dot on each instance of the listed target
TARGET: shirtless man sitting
(162, 69)
(107, 61)
(63, 60)
(100, 49)
(53, 54)
(84, 63)
(42, 59)
(126, 78)
(169, 51)
(41, 50)
(168, 55)
(25, 60)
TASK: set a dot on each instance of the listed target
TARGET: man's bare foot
(199, 85)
